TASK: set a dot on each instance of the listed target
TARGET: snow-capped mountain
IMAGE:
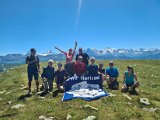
(107, 53)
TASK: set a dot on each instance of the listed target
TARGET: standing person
(70, 54)
(130, 80)
(33, 68)
(84, 55)
(48, 76)
(79, 67)
(112, 75)
(69, 57)
(92, 69)
(59, 77)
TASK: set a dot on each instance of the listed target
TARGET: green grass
(110, 108)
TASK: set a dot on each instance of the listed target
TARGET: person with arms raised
(69, 60)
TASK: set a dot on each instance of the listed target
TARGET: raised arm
(60, 50)
(75, 46)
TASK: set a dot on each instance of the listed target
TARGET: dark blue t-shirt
(60, 76)
(92, 69)
(48, 72)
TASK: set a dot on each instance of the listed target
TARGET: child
(130, 80)
(59, 77)
(101, 70)
(48, 76)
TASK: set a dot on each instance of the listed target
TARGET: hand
(112, 79)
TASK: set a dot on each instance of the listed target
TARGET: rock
(9, 102)
(134, 65)
(129, 103)
(126, 96)
(8, 92)
(144, 101)
(24, 88)
(39, 93)
(68, 117)
(150, 109)
(154, 76)
(111, 95)
(41, 97)
(44, 118)
(90, 118)
(2, 92)
(17, 106)
(91, 107)
(41, 118)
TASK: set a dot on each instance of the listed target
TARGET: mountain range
(102, 54)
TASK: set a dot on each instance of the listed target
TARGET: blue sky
(44, 24)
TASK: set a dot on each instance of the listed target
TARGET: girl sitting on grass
(130, 80)
(59, 77)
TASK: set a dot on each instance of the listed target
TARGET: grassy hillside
(109, 108)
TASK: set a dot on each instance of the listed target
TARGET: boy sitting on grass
(59, 77)
(48, 76)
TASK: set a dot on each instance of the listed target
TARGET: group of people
(81, 66)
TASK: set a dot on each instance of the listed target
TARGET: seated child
(48, 76)
(59, 77)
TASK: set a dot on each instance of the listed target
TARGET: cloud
(78, 12)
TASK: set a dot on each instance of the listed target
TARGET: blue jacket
(48, 72)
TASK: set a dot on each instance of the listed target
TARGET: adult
(92, 69)
(33, 68)
(111, 76)
(130, 80)
(70, 54)
(48, 76)
(69, 57)
(79, 67)
(84, 55)
(59, 77)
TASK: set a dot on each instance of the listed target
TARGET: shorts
(31, 74)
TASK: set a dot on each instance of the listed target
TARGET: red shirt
(79, 68)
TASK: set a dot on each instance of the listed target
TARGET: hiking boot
(37, 90)
(29, 92)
